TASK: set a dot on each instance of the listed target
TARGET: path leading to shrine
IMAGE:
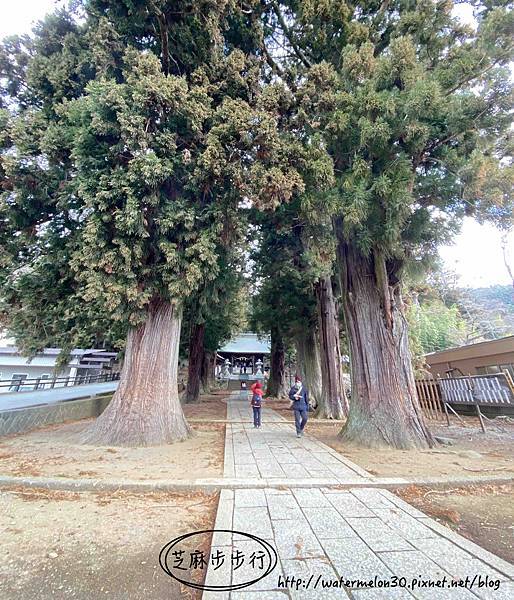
(275, 453)
(323, 534)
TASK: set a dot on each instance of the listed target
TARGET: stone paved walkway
(273, 452)
(324, 534)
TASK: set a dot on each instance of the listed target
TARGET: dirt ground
(85, 546)
(211, 406)
(483, 514)
(52, 451)
(471, 454)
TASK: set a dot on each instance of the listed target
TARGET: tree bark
(276, 381)
(333, 404)
(196, 356)
(207, 371)
(145, 409)
(309, 364)
(384, 409)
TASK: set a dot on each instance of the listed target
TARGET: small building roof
(479, 349)
(247, 343)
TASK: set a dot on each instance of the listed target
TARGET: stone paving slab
(416, 564)
(378, 535)
(348, 505)
(274, 595)
(258, 517)
(250, 498)
(274, 451)
(376, 594)
(325, 534)
(247, 573)
(311, 498)
(482, 554)
(313, 567)
(319, 541)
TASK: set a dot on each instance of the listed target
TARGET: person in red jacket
(256, 403)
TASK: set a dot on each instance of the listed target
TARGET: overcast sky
(476, 254)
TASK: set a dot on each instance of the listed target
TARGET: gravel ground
(89, 546)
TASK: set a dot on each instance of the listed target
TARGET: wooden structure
(436, 395)
(429, 396)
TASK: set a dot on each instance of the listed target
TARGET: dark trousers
(256, 416)
(300, 419)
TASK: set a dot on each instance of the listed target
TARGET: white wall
(14, 361)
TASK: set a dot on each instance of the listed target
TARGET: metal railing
(42, 383)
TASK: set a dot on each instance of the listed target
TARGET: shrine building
(246, 356)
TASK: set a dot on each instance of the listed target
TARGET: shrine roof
(247, 343)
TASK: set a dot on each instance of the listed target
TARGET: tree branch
(287, 33)
(505, 259)
(163, 34)
(473, 76)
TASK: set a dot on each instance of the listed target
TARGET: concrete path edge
(215, 484)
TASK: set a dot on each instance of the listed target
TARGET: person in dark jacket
(300, 405)
(256, 403)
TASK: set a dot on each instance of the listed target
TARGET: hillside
(489, 311)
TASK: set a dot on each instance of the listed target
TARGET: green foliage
(435, 326)
(442, 315)
(489, 312)
(222, 304)
(283, 298)
(41, 302)
(130, 141)
(414, 110)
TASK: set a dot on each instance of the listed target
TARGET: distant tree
(294, 266)
(436, 326)
(487, 311)
(215, 314)
(222, 326)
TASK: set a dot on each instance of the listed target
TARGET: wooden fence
(436, 396)
(429, 396)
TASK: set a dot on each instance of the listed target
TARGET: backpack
(256, 400)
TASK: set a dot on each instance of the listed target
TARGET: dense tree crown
(125, 159)
(414, 108)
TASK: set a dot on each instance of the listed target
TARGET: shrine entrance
(245, 357)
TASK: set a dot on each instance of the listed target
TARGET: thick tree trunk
(196, 356)
(276, 381)
(333, 404)
(145, 409)
(309, 365)
(384, 409)
(207, 371)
